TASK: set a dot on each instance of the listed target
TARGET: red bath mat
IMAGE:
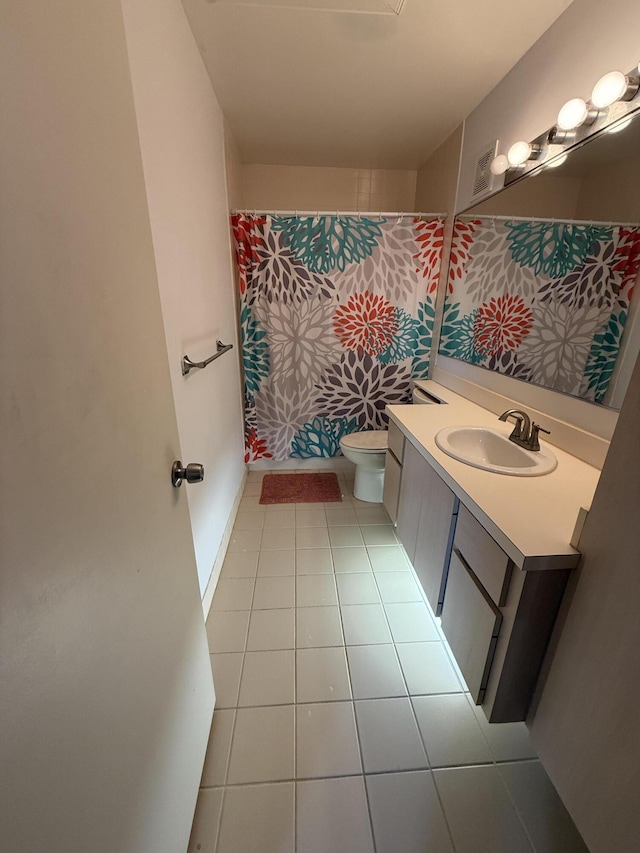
(300, 489)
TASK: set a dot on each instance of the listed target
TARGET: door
(106, 694)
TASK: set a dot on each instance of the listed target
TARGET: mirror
(543, 275)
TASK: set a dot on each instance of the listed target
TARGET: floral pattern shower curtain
(336, 317)
(542, 301)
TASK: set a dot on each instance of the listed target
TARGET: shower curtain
(336, 316)
(544, 301)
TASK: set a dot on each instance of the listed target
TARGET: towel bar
(188, 365)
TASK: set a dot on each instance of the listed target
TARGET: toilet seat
(369, 441)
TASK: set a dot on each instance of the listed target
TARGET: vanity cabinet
(427, 510)
(497, 619)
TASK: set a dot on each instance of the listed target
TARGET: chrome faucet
(525, 433)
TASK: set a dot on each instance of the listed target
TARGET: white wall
(324, 188)
(182, 142)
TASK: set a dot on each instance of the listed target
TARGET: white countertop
(531, 518)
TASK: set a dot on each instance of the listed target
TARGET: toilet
(367, 451)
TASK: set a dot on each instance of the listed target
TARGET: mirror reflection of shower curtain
(541, 300)
(336, 318)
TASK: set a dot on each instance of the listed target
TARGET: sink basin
(491, 450)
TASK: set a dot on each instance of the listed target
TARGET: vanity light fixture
(557, 161)
(499, 164)
(621, 125)
(611, 87)
(575, 113)
(520, 152)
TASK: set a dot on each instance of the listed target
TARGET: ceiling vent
(483, 179)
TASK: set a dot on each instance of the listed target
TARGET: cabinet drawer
(471, 622)
(396, 441)
(486, 558)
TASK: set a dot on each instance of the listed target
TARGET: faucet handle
(535, 429)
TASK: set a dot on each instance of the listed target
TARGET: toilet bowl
(367, 451)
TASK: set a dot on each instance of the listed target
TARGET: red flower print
(255, 448)
(246, 239)
(501, 325)
(430, 239)
(628, 259)
(366, 324)
(461, 243)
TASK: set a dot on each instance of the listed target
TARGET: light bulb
(519, 153)
(573, 114)
(499, 164)
(609, 89)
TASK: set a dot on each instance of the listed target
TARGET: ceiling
(302, 85)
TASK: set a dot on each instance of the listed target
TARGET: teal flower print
(321, 437)
(405, 339)
(458, 340)
(255, 351)
(422, 352)
(602, 357)
(325, 243)
(553, 248)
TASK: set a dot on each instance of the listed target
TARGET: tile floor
(342, 724)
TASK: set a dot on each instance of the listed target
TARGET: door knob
(192, 473)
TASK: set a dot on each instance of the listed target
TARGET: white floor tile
(364, 624)
(357, 588)
(249, 520)
(332, 816)
(271, 629)
(278, 520)
(427, 669)
(312, 505)
(326, 741)
(314, 561)
(316, 590)
(540, 809)
(322, 675)
(311, 518)
(317, 627)
(204, 833)
(233, 594)
(411, 622)
(271, 827)
(341, 517)
(450, 731)
(244, 540)
(406, 814)
(252, 489)
(226, 669)
(507, 741)
(227, 630)
(350, 560)
(312, 537)
(267, 679)
(278, 539)
(379, 535)
(216, 759)
(263, 745)
(372, 515)
(375, 672)
(479, 812)
(346, 537)
(388, 558)
(243, 564)
(275, 563)
(250, 503)
(398, 587)
(389, 736)
(274, 592)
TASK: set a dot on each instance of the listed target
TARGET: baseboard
(207, 598)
